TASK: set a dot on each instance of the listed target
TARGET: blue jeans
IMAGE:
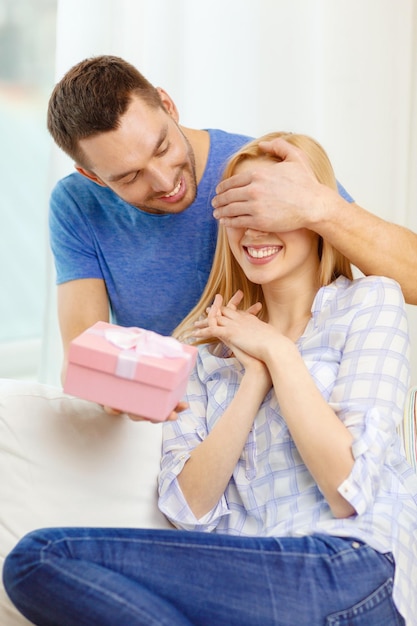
(132, 577)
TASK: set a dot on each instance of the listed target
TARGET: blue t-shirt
(155, 267)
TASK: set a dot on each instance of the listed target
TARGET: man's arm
(293, 198)
(375, 246)
(81, 303)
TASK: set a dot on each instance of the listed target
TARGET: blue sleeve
(70, 238)
(344, 193)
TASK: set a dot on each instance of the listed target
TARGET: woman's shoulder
(380, 288)
(344, 294)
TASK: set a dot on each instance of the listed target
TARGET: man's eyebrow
(161, 138)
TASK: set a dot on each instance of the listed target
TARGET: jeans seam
(196, 545)
(137, 612)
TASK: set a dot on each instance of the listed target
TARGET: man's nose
(161, 179)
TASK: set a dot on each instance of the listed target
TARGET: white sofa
(64, 462)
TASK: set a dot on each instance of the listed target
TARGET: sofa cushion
(65, 462)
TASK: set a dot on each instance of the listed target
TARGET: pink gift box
(130, 369)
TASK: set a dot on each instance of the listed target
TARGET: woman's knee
(25, 557)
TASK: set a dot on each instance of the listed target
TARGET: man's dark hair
(91, 98)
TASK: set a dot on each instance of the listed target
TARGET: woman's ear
(168, 104)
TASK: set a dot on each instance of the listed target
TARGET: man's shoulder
(223, 140)
(222, 146)
(76, 189)
(77, 183)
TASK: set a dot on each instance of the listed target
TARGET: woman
(287, 458)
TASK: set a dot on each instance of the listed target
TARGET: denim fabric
(129, 577)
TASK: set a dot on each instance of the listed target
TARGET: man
(132, 230)
(120, 232)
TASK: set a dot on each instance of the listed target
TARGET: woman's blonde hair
(226, 276)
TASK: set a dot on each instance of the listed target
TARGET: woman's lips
(261, 254)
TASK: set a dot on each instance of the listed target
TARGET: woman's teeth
(261, 253)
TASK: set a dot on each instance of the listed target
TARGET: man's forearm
(372, 244)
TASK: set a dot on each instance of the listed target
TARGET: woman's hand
(239, 330)
(233, 303)
(205, 475)
(232, 327)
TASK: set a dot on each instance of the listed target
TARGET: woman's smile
(261, 254)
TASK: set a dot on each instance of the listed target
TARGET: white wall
(340, 70)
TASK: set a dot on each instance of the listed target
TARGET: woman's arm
(206, 474)
(370, 386)
(323, 441)
(209, 457)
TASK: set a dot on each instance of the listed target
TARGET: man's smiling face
(147, 161)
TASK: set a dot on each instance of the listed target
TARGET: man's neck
(200, 143)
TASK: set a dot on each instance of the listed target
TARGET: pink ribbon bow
(136, 343)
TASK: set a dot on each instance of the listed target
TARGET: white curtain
(341, 70)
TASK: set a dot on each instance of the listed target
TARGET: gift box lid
(133, 353)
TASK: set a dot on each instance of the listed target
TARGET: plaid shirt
(356, 347)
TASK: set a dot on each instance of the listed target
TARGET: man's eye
(131, 180)
(163, 151)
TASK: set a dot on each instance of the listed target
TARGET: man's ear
(168, 104)
(89, 175)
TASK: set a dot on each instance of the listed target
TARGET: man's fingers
(234, 182)
(181, 406)
(238, 221)
(280, 148)
(285, 151)
(110, 411)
